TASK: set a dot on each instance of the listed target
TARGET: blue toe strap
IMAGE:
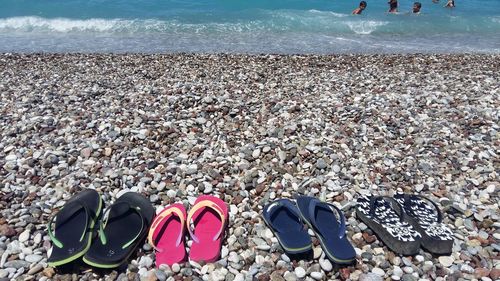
(282, 203)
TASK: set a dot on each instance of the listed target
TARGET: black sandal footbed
(124, 229)
(389, 224)
(74, 224)
(426, 217)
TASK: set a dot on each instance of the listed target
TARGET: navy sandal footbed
(328, 223)
(283, 219)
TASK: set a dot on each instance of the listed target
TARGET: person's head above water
(393, 6)
(416, 7)
(359, 10)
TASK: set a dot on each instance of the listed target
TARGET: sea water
(247, 26)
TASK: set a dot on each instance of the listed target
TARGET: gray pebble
(321, 164)
(16, 264)
(33, 258)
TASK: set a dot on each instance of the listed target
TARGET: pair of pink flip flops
(209, 217)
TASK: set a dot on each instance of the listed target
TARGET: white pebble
(11, 157)
(446, 261)
(24, 236)
(176, 267)
(256, 153)
(379, 271)
(326, 265)
(317, 275)
(300, 272)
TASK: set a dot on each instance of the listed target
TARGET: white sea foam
(65, 25)
(329, 13)
(365, 27)
(28, 24)
(61, 24)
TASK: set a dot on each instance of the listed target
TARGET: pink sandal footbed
(209, 217)
(166, 235)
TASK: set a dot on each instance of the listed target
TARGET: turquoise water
(244, 26)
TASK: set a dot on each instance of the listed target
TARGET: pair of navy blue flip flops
(286, 220)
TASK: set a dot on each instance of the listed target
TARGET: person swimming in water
(359, 10)
(393, 6)
(416, 7)
(450, 4)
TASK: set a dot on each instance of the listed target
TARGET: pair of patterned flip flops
(286, 220)
(406, 222)
(206, 223)
(123, 227)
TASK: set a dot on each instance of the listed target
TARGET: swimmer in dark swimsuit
(393, 6)
(358, 11)
(450, 4)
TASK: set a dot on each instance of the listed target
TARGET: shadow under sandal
(389, 224)
(283, 218)
(74, 223)
(427, 219)
(328, 223)
(124, 229)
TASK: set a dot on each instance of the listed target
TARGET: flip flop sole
(84, 196)
(290, 250)
(165, 232)
(425, 216)
(432, 245)
(79, 254)
(207, 223)
(112, 254)
(327, 252)
(282, 217)
(338, 250)
(407, 248)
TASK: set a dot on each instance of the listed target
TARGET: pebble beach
(251, 129)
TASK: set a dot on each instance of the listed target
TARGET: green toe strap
(70, 209)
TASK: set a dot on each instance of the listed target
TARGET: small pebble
(300, 272)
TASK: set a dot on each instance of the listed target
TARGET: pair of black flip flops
(406, 222)
(286, 220)
(124, 226)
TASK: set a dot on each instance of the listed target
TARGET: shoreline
(242, 54)
(251, 129)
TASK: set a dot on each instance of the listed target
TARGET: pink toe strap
(199, 206)
(162, 217)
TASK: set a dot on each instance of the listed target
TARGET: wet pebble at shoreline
(251, 129)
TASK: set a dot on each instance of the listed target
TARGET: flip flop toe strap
(161, 219)
(316, 203)
(74, 207)
(373, 206)
(408, 206)
(286, 204)
(206, 204)
(104, 221)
